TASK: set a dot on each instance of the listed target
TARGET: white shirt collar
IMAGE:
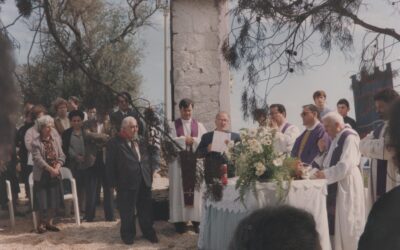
(186, 121)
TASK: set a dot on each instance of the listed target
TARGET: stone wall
(199, 70)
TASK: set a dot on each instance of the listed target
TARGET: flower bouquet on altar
(255, 160)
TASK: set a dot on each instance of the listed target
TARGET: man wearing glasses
(314, 140)
(286, 133)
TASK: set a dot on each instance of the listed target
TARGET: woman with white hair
(48, 158)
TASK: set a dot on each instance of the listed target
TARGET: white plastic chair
(65, 174)
(34, 215)
(10, 204)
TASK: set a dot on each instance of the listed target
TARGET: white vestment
(350, 203)
(283, 142)
(177, 210)
(376, 149)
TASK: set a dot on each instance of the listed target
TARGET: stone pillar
(198, 67)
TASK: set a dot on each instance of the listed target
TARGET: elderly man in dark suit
(130, 164)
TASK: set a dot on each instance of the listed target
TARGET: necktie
(135, 149)
(303, 142)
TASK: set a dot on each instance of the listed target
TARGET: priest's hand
(298, 168)
(321, 145)
(209, 147)
(320, 175)
(272, 124)
(189, 140)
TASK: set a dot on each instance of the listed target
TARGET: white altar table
(219, 219)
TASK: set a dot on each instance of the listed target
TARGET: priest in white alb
(185, 201)
(383, 171)
(340, 167)
(286, 133)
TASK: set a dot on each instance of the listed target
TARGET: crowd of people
(330, 142)
(84, 142)
(108, 152)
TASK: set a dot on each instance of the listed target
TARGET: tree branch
(387, 31)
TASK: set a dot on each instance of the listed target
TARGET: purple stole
(287, 125)
(188, 162)
(381, 169)
(311, 149)
(194, 127)
(332, 188)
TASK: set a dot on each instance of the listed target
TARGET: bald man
(204, 150)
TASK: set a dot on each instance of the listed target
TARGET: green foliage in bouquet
(255, 160)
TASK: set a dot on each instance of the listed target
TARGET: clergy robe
(178, 212)
(311, 149)
(285, 138)
(340, 165)
(383, 175)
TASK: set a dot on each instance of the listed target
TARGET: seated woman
(48, 158)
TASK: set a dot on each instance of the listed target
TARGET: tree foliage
(274, 38)
(87, 48)
(52, 74)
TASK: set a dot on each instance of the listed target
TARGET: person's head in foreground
(276, 228)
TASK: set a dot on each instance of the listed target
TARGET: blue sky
(295, 91)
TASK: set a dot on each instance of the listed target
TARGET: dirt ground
(94, 235)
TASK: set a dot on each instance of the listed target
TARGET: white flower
(252, 133)
(260, 168)
(243, 133)
(231, 144)
(264, 131)
(266, 141)
(278, 162)
(255, 146)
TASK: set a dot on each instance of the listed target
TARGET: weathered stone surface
(196, 76)
(205, 93)
(199, 70)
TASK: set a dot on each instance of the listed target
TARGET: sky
(296, 91)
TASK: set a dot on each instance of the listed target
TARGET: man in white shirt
(339, 166)
(286, 133)
(185, 205)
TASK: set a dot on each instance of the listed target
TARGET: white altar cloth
(219, 219)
